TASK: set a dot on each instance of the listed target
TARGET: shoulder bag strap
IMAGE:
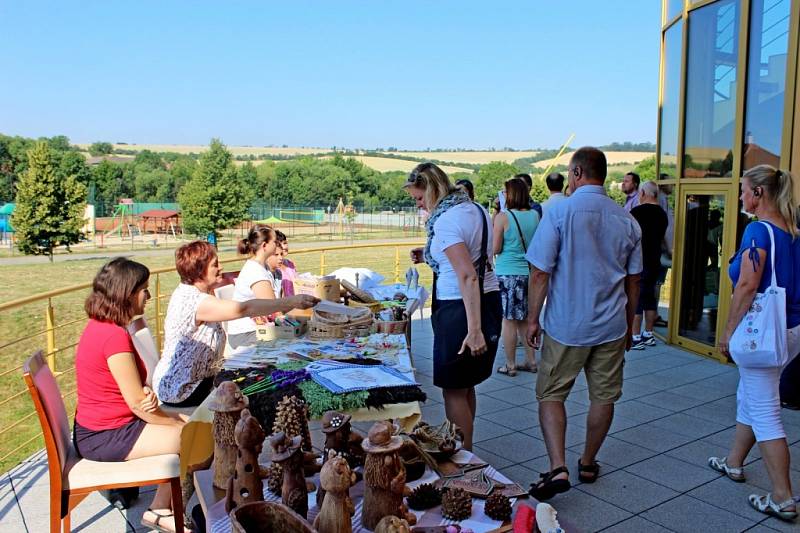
(484, 259)
(772, 253)
(521, 236)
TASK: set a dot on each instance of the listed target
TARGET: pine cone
(424, 497)
(456, 504)
(275, 478)
(498, 507)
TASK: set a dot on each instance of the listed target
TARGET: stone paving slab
(677, 409)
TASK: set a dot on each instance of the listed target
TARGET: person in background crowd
(536, 206)
(513, 231)
(193, 336)
(664, 192)
(287, 268)
(274, 263)
(768, 194)
(467, 312)
(630, 186)
(118, 418)
(555, 186)
(653, 223)
(255, 280)
(587, 258)
(466, 186)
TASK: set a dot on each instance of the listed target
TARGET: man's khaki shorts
(561, 364)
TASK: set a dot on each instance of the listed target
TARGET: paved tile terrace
(677, 409)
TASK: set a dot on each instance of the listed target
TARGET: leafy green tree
(646, 168)
(182, 170)
(248, 176)
(214, 198)
(72, 163)
(50, 205)
(110, 185)
(490, 180)
(153, 186)
(101, 148)
(149, 160)
(59, 143)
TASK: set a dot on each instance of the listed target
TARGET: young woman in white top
(467, 313)
(193, 337)
(255, 280)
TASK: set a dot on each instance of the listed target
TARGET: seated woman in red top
(117, 417)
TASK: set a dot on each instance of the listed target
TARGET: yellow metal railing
(19, 430)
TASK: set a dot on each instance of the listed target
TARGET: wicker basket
(392, 327)
(375, 307)
(336, 326)
(358, 294)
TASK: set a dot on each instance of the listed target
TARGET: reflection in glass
(674, 8)
(766, 82)
(711, 90)
(666, 199)
(670, 101)
(701, 267)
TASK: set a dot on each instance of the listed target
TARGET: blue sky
(356, 74)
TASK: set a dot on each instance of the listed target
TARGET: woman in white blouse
(255, 280)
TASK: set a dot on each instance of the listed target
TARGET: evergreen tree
(50, 205)
(214, 198)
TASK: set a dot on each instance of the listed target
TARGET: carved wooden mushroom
(227, 404)
(245, 484)
(337, 510)
(287, 453)
(384, 477)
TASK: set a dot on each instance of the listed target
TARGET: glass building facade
(729, 100)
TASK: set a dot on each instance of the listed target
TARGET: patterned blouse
(191, 352)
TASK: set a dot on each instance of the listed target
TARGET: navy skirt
(107, 445)
(449, 321)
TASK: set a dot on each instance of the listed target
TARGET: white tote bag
(760, 338)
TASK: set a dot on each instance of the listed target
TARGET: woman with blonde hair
(768, 194)
(466, 302)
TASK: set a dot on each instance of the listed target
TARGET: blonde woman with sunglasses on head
(768, 194)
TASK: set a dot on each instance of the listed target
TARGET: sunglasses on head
(420, 168)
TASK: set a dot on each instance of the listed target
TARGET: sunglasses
(415, 173)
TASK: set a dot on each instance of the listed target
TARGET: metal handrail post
(50, 333)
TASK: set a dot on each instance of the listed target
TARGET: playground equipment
(124, 220)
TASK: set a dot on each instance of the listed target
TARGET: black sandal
(547, 487)
(593, 468)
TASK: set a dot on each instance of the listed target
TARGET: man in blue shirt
(587, 259)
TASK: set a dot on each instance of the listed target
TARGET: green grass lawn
(22, 329)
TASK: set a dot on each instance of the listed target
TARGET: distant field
(386, 164)
(472, 158)
(612, 158)
(235, 150)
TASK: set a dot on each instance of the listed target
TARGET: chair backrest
(224, 292)
(52, 414)
(145, 346)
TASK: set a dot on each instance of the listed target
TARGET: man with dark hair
(529, 182)
(586, 256)
(630, 186)
(555, 186)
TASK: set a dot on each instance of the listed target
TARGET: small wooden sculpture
(392, 524)
(287, 453)
(291, 418)
(245, 485)
(384, 477)
(340, 438)
(337, 509)
(227, 404)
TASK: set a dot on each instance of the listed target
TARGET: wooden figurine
(227, 404)
(287, 453)
(384, 477)
(291, 418)
(245, 484)
(337, 509)
(392, 524)
(340, 438)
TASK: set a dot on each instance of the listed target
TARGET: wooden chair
(72, 478)
(145, 345)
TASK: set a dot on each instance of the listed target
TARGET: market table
(197, 443)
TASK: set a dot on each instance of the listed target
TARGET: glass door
(703, 288)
